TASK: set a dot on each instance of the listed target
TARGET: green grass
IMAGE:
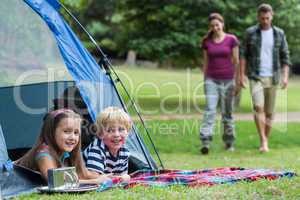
(161, 91)
(177, 136)
(178, 145)
(170, 91)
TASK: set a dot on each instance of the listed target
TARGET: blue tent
(43, 65)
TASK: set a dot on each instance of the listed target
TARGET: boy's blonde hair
(112, 115)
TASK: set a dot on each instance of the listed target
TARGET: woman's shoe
(204, 150)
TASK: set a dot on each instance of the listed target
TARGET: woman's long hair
(47, 136)
(211, 17)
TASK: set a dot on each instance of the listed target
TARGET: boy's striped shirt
(99, 159)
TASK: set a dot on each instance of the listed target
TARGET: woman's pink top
(220, 65)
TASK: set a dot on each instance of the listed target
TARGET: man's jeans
(216, 90)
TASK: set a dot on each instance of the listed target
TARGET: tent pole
(140, 118)
(108, 67)
(138, 113)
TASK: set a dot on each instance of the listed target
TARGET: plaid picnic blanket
(195, 178)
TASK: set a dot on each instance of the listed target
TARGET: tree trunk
(131, 58)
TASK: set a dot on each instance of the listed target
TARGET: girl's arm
(100, 179)
(93, 177)
(105, 177)
(44, 163)
(96, 178)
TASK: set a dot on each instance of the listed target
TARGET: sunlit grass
(171, 91)
(179, 149)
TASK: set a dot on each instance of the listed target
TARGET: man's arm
(242, 73)
(285, 76)
(285, 62)
(243, 61)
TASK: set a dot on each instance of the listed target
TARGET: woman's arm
(235, 56)
(204, 62)
(243, 62)
(235, 60)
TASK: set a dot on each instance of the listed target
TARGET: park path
(279, 117)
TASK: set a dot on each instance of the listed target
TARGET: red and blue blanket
(195, 178)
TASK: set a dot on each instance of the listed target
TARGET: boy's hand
(102, 178)
(125, 177)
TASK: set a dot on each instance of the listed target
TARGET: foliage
(170, 31)
(97, 16)
(164, 30)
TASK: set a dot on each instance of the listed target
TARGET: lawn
(169, 91)
(178, 144)
(164, 91)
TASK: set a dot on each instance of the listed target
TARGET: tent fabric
(3, 150)
(17, 138)
(95, 86)
(19, 181)
(82, 66)
(23, 107)
(54, 3)
(28, 111)
(13, 179)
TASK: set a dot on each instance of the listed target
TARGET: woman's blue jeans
(215, 91)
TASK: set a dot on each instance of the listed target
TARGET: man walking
(265, 59)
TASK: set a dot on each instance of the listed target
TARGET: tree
(163, 30)
(171, 30)
(100, 20)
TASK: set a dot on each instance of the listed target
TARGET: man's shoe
(204, 150)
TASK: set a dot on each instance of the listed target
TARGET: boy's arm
(124, 174)
(123, 177)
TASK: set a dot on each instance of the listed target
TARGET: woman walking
(220, 60)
